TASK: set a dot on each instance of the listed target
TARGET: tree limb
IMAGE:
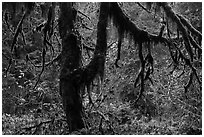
(170, 13)
(189, 26)
(18, 30)
(143, 7)
(43, 67)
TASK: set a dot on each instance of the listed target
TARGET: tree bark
(97, 65)
(72, 76)
(71, 60)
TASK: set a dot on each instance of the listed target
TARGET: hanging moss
(190, 27)
(169, 12)
(70, 75)
(95, 69)
(144, 40)
(141, 38)
(124, 25)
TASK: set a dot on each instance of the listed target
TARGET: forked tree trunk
(71, 60)
(72, 75)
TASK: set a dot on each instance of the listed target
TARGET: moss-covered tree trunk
(73, 77)
(71, 60)
(96, 67)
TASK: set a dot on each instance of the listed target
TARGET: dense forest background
(166, 100)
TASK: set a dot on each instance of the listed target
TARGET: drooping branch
(46, 30)
(149, 63)
(96, 66)
(140, 37)
(43, 67)
(123, 23)
(180, 57)
(141, 73)
(189, 26)
(17, 32)
(170, 13)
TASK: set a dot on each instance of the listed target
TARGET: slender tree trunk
(71, 60)
(96, 67)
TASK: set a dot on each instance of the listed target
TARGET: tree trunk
(73, 77)
(71, 60)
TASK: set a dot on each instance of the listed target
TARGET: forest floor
(163, 110)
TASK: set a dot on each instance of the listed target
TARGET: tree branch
(18, 30)
(43, 67)
(170, 13)
(189, 26)
(143, 7)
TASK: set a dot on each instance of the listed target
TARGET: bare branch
(18, 30)
(89, 48)
(143, 7)
(189, 26)
(84, 14)
(170, 13)
(43, 67)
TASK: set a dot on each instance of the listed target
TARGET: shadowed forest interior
(102, 68)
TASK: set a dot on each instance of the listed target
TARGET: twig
(52, 48)
(43, 67)
(84, 26)
(103, 117)
(83, 14)
(10, 62)
(18, 29)
(189, 26)
(47, 64)
(58, 40)
(41, 123)
(28, 59)
(37, 125)
(23, 35)
(170, 13)
(88, 48)
(111, 44)
(54, 60)
(143, 7)
(141, 73)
